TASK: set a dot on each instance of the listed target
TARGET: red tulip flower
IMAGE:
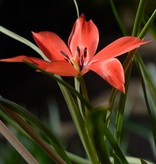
(79, 57)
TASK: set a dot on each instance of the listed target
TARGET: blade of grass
(121, 108)
(139, 17)
(152, 118)
(120, 23)
(147, 25)
(114, 145)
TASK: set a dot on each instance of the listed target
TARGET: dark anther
(78, 50)
(85, 52)
(64, 54)
(66, 57)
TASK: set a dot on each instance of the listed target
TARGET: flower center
(78, 60)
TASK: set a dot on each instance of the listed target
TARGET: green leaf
(95, 124)
(143, 162)
(100, 133)
(114, 145)
(150, 96)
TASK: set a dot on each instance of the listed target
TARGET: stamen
(85, 52)
(78, 50)
(64, 54)
(66, 57)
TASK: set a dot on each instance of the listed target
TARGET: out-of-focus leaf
(37, 123)
(95, 124)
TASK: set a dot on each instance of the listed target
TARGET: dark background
(22, 84)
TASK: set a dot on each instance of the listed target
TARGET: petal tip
(122, 89)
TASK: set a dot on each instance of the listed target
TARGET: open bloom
(79, 57)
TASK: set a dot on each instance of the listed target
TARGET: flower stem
(80, 86)
(79, 123)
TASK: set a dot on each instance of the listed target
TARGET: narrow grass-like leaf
(147, 25)
(121, 108)
(152, 117)
(119, 21)
(114, 145)
(139, 17)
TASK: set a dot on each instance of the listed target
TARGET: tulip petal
(39, 62)
(51, 45)
(118, 47)
(112, 71)
(62, 68)
(84, 35)
(21, 58)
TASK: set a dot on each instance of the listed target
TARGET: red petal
(84, 34)
(51, 45)
(118, 47)
(62, 68)
(111, 71)
(39, 62)
(21, 58)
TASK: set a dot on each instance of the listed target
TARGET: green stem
(80, 104)
(81, 88)
(79, 123)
